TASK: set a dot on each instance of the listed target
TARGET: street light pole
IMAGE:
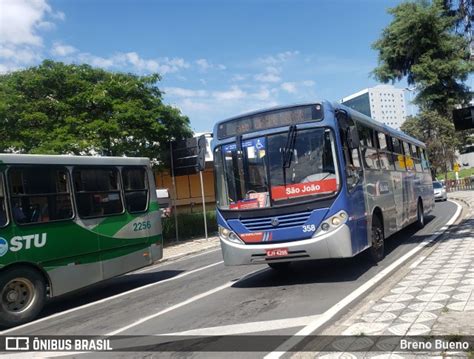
(410, 90)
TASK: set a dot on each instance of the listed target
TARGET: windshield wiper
(289, 147)
(288, 151)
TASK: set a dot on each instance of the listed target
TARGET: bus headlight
(227, 234)
(332, 223)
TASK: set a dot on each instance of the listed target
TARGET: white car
(439, 191)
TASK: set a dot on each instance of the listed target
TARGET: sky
(217, 59)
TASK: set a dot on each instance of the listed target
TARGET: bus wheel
(377, 250)
(280, 266)
(420, 215)
(23, 294)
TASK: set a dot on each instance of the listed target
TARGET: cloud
(21, 24)
(123, 60)
(182, 92)
(289, 87)
(278, 58)
(293, 87)
(205, 65)
(235, 93)
(60, 49)
(271, 74)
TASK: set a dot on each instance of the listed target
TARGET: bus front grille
(276, 222)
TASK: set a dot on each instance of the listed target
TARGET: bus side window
(399, 159)
(408, 160)
(384, 156)
(352, 159)
(416, 158)
(368, 152)
(40, 194)
(425, 165)
(135, 187)
(3, 204)
(97, 192)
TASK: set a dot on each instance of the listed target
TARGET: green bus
(70, 221)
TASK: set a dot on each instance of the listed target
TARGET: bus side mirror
(352, 138)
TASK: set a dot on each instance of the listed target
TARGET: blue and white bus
(315, 181)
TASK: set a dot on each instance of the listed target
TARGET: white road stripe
(138, 322)
(331, 312)
(168, 261)
(252, 327)
(179, 276)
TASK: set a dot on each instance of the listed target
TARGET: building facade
(383, 103)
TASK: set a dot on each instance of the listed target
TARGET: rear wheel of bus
(420, 215)
(23, 294)
(377, 250)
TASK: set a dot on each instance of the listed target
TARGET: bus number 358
(309, 228)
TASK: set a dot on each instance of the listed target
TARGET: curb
(462, 200)
(181, 255)
(355, 296)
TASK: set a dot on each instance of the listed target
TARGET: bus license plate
(277, 252)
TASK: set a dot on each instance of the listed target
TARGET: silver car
(439, 191)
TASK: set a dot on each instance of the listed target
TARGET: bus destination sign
(271, 119)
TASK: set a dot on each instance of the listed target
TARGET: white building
(384, 103)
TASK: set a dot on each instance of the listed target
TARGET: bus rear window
(97, 192)
(136, 189)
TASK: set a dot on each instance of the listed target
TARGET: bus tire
(279, 266)
(377, 250)
(420, 215)
(23, 294)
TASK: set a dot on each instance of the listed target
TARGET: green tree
(421, 44)
(438, 134)
(56, 108)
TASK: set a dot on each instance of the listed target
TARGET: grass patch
(463, 173)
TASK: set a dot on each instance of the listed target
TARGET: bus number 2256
(141, 226)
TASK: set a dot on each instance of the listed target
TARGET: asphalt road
(198, 295)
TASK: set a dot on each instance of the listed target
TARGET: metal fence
(462, 184)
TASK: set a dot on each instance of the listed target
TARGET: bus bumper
(335, 244)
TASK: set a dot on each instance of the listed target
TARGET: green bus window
(3, 206)
(135, 187)
(40, 194)
(97, 192)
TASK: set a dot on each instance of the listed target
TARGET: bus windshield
(276, 169)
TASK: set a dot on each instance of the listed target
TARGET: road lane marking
(182, 304)
(179, 276)
(169, 261)
(334, 310)
(140, 321)
(252, 327)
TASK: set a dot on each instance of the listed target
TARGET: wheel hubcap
(18, 295)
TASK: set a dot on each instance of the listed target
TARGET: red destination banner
(245, 204)
(304, 189)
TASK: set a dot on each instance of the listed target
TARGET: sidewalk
(175, 250)
(431, 295)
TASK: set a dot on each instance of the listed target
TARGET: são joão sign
(304, 189)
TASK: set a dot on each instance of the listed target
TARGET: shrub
(190, 225)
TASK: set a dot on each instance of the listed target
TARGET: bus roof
(7, 158)
(360, 116)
